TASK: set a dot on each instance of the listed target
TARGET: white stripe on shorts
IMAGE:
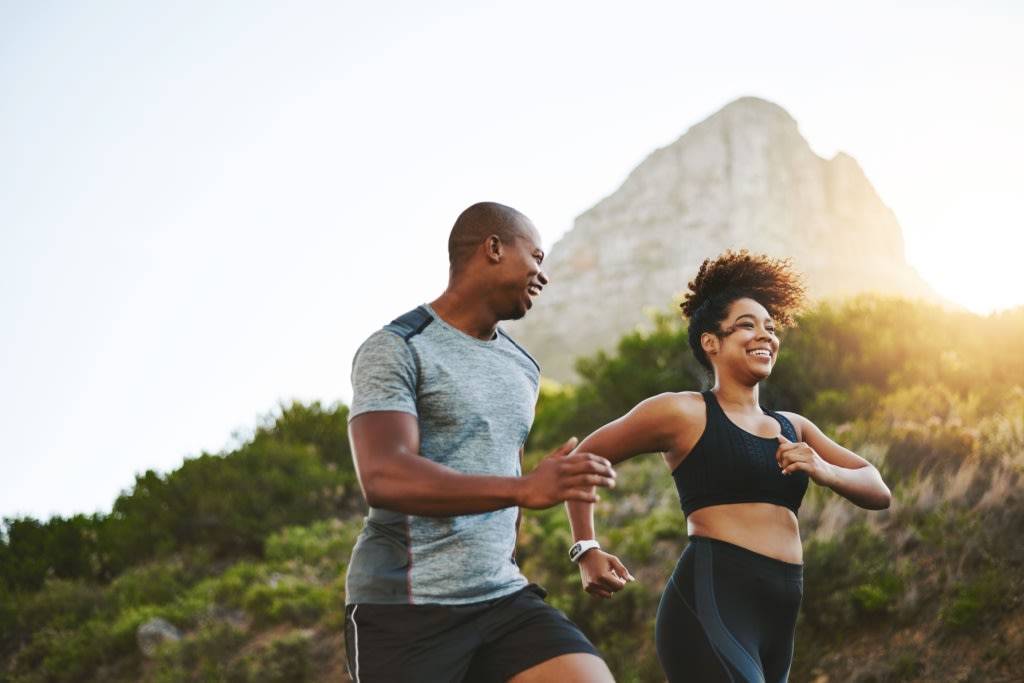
(355, 644)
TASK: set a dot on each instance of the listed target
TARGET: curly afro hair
(737, 275)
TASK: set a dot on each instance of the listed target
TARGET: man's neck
(465, 314)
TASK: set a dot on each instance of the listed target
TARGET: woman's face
(747, 344)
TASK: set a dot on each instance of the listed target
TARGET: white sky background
(205, 207)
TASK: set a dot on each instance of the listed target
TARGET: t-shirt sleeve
(383, 376)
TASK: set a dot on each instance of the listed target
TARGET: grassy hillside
(242, 555)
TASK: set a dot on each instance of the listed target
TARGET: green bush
(205, 654)
(948, 529)
(905, 666)
(286, 600)
(155, 583)
(60, 604)
(284, 660)
(878, 595)
(73, 656)
(230, 587)
(326, 429)
(10, 608)
(324, 544)
(847, 580)
(972, 603)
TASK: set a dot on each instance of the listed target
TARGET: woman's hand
(829, 464)
(800, 457)
(602, 574)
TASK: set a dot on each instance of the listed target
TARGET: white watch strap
(580, 547)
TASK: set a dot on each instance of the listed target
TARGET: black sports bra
(731, 465)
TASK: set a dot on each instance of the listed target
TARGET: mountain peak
(744, 177)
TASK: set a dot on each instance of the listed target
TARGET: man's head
(476, 224)
(496, 250)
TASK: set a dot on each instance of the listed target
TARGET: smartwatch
(580, 547)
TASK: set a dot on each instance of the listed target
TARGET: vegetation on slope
(244, 553)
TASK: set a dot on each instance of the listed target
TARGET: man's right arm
(394, 476)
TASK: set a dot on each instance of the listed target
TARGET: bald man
(442, 403)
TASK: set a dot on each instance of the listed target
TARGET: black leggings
(728, 615)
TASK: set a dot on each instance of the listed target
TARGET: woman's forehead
(748, 307)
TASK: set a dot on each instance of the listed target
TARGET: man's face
(523, 276)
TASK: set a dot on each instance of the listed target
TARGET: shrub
(284, 660)
(972, 602)
(205, 654)
(73, 656)
(286, 600)
(325, 545)
(60, 604)
(848, 579)
(156, 583)
(230, 587)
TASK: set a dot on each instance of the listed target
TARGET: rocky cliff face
(743, 178)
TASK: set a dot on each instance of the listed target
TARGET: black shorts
(483, 641)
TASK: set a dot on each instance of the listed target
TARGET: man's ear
(709, 342)
(493, 248)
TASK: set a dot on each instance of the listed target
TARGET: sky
(206, 206)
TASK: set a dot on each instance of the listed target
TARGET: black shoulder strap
(788, 429)
(712, 408)
(409, 324)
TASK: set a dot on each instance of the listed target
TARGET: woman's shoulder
(791, 416)
(799, 422)
(683, 415)
(682, 403)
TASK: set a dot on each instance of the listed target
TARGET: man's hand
(602, 574)
(560, 477)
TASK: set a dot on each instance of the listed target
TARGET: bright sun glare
(971, 253)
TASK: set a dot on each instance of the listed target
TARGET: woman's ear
(709, 342)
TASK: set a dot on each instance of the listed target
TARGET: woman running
(728, 612)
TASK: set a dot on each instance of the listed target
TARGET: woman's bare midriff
(764, 528)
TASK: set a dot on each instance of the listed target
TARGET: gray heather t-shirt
(474, 401)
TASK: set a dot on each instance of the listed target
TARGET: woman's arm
(657, 424)
(650, 427)
(829, 464)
